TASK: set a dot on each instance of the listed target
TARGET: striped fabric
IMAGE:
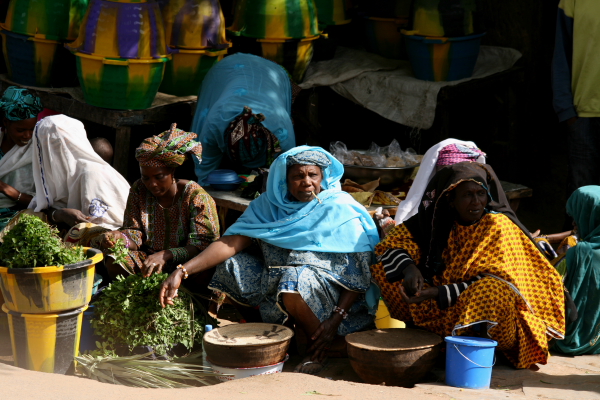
(448, 294)
(394, 262)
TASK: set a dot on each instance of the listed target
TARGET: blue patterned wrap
(257, 280)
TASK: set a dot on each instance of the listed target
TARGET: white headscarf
(410, 206)
(69, 174)
(15, 170)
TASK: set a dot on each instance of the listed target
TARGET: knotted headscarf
(18, 104)
(455, 153)
(309, 157)
(168, 149)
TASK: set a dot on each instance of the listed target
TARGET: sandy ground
(563, 378)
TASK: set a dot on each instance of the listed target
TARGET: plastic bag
(340, 151)
(376, 155)
(395, 156)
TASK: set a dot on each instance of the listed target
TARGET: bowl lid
(250, 334)
(393, 339)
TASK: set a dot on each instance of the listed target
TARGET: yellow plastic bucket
(383, 320)
(49, 289)
(45, 342)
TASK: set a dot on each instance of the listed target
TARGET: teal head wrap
(19, 104)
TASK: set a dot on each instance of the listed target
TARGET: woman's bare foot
(307, 366)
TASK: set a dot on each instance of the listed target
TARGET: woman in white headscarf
(74, 185)
(446, 152)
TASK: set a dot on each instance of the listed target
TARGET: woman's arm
(21, 198)
(215, 254)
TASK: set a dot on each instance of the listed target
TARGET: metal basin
(389, 178)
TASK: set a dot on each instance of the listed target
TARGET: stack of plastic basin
(45, 307)
(282, 31)
(121, 53)
(442, 45)
(383, 22)
(195, 35)
(33, 36)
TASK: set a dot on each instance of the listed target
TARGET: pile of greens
(129, 313)
(33, 243)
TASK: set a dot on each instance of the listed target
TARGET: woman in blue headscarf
(19, 111)
(243, 116)
(301, 251)
(582, 274)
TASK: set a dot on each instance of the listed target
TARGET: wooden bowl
(247, 345)
(393, 357)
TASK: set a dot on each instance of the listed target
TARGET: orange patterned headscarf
(168, 149)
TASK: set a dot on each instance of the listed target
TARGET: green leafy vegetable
(129, 313)
(33, 243)
(137, 372)
(119, 252)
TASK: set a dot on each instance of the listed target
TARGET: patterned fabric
(257, 280)
(168, 149)
(583, 273)
(455, 153)
(309, 157)
(192, 220)
(520, 297)
(85, 234)
(18, 104)
(247, 139)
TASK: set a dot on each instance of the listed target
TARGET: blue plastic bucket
(442, 58)
(88, 338)
(469, 361)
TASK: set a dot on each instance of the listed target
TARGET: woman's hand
(424, 294)
(69, 216)
(323, 337)
(154, 263)
(413, 280)
(109, 239)
(168, 289)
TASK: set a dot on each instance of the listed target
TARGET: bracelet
(180, 254)
(340, 311)
(52, 215)
(18, 197)
(127, 242)
(181, 267)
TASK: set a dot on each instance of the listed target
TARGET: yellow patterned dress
(518, 293)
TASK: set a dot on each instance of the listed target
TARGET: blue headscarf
(18, 104)
(338, 224)
(583, 274)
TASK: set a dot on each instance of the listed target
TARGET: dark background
(525, 146)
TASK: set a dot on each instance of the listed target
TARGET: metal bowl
(389, 178)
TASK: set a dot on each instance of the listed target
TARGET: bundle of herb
(129, 313)
(33, 243)
(137, 372)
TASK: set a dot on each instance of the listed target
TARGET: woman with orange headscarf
(167, 220)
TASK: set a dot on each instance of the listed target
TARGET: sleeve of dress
(132, 220)
(204, 221)
(448, 294)
(396, 252)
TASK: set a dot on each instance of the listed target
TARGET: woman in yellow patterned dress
(464, 266)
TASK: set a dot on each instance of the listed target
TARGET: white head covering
(410, 206)
(69, 174)
(15, 170)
